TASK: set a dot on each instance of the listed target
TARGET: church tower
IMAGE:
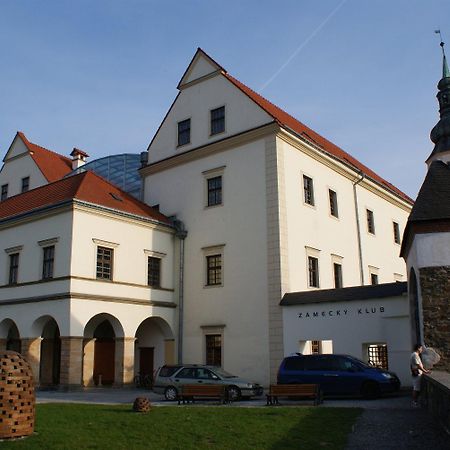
(426, 241)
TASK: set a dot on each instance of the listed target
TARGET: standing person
(417, 370)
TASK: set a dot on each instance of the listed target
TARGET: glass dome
(120, 170)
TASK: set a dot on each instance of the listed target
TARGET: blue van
(338, 375)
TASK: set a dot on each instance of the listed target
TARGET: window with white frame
(4, 193)
(213, 186)
(13, 268)
(105, 259)
(312, 266)
(218, 120)
(333, 203)
(48, 262)
(308, 190)
(153, 271)
(370, 221)
(373, 275)
(184, 132)
(25, 184)
(213, 265)
(396, 230)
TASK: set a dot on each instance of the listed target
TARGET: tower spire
(440, 134)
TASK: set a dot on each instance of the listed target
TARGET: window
(213, 349)
(213, 270)
(184, 132)
(370, 222)
(308, 190)
(378, 356)
(337, 271)
(13, 268)
(49, 259)
(4, 194)
(333, 203)
(218, 120)
(313, 270)
(316, 347)
(105, 263)
(154, 271)
(25, 184)
(396, 232)
(214, 191)
(373, 278)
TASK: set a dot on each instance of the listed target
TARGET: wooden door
(146, 361)
(104, 360)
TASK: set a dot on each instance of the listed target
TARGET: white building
(269, 206)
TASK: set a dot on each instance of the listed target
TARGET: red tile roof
(287, 121)
(52, 165)
(87, 187)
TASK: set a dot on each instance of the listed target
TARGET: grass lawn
(74, 426)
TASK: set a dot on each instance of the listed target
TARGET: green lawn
(73, 426)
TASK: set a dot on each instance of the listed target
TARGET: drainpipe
(181, 234)
(358, 227)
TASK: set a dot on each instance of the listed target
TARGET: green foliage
(73, 426)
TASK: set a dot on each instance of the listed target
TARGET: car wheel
(170, 393)
(234, 393)
(370, 390)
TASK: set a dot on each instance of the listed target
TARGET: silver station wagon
(169, 378)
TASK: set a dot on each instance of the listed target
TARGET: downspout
(181, 234)
(358, 227)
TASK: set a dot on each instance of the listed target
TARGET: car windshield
(223, 373)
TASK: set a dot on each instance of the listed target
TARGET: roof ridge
(29, 143)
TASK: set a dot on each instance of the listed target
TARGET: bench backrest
(203, 389)
(294, 389)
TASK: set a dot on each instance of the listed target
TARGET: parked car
(169, 378)
(338, 375)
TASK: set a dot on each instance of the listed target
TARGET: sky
(100, 75)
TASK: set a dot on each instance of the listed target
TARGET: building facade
(251, 204)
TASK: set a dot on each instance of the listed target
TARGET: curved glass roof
(120, 170)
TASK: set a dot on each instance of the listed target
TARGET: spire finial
(445, 70)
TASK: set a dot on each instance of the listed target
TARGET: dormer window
(184, 132)
(218, 120)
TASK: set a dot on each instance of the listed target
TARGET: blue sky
(100, 75)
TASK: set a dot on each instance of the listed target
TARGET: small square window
(308, 190)
(48, 264)
(370, 222)
(154, 271)
(214, 191)
(378, 356)
(214, 349)
(213, 270)
(218, 120)
(13, 268)
(313, 271)
(184, 132)
(396, 229)
(373, 278)
(333, 203)
(316, 347)
(25, 184)
(4, 194)
(337, 269)
(105, 263)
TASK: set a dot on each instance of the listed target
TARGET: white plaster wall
(240, 224)
(195, 102)
(380, 321)
(315, 227)
(431, 250)
(28, 234)
(13, 171)
(130, 260)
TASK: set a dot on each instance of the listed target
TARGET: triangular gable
(200, 66)
(17, 148)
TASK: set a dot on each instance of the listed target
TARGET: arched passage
(50, 354)
(102, 350)
(10, 333)
(414, 308)
(154, 346)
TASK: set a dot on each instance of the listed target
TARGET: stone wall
(436, 397)
(435, 286)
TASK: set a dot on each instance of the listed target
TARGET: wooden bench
(309, 391)
(189, 392)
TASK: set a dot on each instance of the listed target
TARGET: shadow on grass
(320, 428)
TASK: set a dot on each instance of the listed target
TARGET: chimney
(78, 158)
